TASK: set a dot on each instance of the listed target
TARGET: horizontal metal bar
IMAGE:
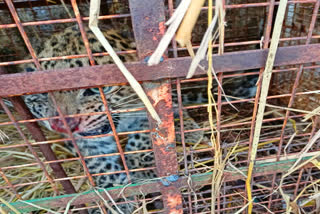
(51, 80)
(150, 187)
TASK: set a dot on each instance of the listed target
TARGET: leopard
(88, 100)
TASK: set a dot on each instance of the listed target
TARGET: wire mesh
(26, 26)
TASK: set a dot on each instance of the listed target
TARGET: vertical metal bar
(163, 138)
(29, 145)
(180, 105)
(148, 24)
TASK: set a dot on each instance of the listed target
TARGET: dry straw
(174, 23)
(264, 93)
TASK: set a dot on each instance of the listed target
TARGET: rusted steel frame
(299, 73)
(182, 131)
(102, 95)
(40, 82)
(63, 57)
(38, 66)
(5, 178)
(155, 186)
(60, 21)
(29, 146)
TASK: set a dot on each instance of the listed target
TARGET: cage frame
(151, 29)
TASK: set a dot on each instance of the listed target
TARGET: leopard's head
(82, 101)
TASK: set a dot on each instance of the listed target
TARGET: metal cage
(23, 23)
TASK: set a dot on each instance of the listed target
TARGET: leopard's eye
(105, 90)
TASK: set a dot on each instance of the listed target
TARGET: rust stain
(159, 94)
(174, 201)
(162, 28)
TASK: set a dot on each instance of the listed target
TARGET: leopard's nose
(58, 125)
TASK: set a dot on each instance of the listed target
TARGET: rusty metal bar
(163, 138)
(148, 24)
(39, 82)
